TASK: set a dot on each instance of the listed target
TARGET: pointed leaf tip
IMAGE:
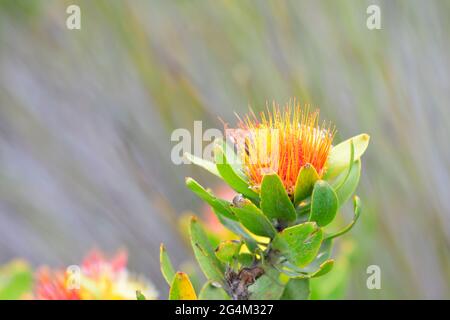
(166, 266)
(220, 206)
(324, 268)
(230, 175)
(181, 288)
(205, 164)
(211, 266)
(340, 155)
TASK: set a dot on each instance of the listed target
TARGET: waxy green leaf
(167, 269)
(235, 227)
(324, 268)
(299, 244)
(308, 272)
(212, 292)
(305, 183)
(339, 157)
(275, 202)
(322, 256)
(205, 164)
(267, 287)
(228, 250)
(343, 177)
(296, 289)
(348, 187)
(324, 203)
(254, 220)
(204, 253)
(246, 259)
(181, 288)
(233, 179)
(321, 270)
(220, 206)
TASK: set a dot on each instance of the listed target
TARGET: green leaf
(299, 244)
(246, 259)
(16, 279)
(338, 184)
(321, 270)
(339, 157)
(181, 288)
(275, 202)
(220, 206)
(254, 220)
(322, 256)
(296, 289)
(228, 250)
(230, 176)
(324, 268)
(167, 269)
(205, 164)
(305, 183)
(140, 296)
(348, 187)
(211, 266)
(357, 213)
(267, 286)
(236, 228)
(324, 203)
(234, 160)
(212, 292)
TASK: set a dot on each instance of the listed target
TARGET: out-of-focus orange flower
(99, 278)
(282, 142)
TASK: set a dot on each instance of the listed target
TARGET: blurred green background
(86, 118)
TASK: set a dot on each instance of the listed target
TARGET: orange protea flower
(100, 278)
(282, 142)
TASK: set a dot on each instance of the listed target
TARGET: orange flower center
(282, 142)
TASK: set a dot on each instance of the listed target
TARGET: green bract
(281, 238)
(324, 203)
(339, 157)
(254, 220)
(211, 266)
(210, 291)
(299, 244)
(228, 250)
(306, 179)
(275, 202)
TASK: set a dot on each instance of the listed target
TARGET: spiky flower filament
(282, 142)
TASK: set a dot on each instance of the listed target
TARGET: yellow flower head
(282, 142)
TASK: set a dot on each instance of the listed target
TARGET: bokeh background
(86, 118)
